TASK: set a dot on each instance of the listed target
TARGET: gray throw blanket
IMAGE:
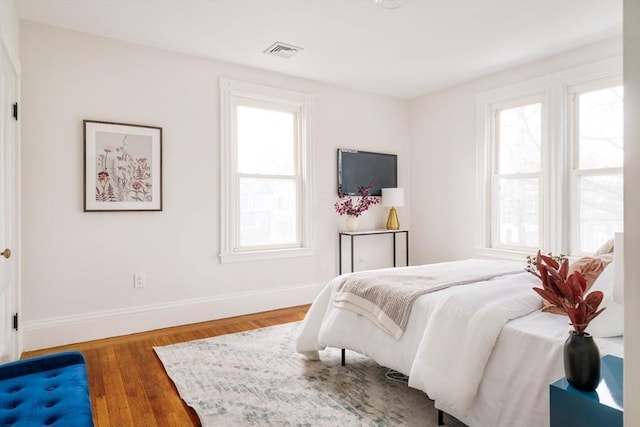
(386, 296)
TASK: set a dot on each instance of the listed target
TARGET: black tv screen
(359, 168)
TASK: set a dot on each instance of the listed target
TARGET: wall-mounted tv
(359, 168)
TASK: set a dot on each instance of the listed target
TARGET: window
(550, 163)
(597, 166)
(517, 176)
(265, 195)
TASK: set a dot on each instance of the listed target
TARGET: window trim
(487, 106)
(229, 191)
(556, 187)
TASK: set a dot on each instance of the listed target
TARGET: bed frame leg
(344, 357)
(440, 418)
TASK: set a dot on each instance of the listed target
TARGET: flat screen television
(360, 168)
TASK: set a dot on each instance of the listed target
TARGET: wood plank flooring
(129, 386)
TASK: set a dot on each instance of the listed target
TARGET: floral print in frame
(122, 167)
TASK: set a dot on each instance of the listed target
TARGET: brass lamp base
(392, 221)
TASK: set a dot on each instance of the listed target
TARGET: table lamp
(394, 198)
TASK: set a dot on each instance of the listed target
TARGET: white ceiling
(420, 47)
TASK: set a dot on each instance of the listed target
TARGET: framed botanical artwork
(122, 167)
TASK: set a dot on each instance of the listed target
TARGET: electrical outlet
(139, 280)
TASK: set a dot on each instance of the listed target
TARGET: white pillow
(606, 248)
(618, 278)
(610, 323)
(604, 282)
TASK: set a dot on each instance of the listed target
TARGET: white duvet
(460, 347)
(328, 326)
(459, 338)
(386, 297)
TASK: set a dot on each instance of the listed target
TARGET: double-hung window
(517, 175)
(265, 197)
(597, 156)
(550, 163)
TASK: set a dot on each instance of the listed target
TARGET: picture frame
(122, 167)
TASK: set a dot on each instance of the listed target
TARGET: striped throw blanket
(386, 296)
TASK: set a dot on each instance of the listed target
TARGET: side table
(570, 407)
(353, 234)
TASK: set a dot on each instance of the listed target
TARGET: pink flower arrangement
(346, 207)
(567, 292)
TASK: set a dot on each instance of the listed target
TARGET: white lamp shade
(393, 197)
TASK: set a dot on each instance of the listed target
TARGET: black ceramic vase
(582, 361)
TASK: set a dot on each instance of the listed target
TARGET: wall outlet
(139, 280)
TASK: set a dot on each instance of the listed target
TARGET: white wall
(632, 212)
(10, 32)
(78, 267)
(443, 155)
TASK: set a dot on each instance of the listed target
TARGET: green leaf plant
(567, 293)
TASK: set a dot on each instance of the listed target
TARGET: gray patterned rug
(257, 378)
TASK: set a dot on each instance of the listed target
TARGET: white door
(9, 288)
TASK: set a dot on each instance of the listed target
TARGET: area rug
(257, 378)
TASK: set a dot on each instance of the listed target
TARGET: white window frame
(232, 94)
(556, 194)
(573, 92)
(488, 105)
(538, 97)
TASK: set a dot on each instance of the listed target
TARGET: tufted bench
(45, 391)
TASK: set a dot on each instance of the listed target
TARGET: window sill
(511, 254)
(519, 255)
(265, 254)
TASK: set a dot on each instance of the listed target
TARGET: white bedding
(386, 297)
(526, 358)
(465, 327)
(512, 388)
(328, 326)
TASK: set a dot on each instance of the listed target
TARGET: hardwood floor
(129, 386)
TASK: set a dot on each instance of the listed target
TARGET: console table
(354, 234)
(570, 407)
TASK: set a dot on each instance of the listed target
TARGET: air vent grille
(283, 50)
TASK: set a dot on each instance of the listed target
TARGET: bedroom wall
(632, 211)
(78, 267)
(443, 155)
(10, 31)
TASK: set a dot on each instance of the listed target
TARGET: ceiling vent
(282, 49)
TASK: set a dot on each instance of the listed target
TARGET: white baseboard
(52, 332)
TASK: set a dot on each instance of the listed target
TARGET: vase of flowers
(346, 205)
(581, 354)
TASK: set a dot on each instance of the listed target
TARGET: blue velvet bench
(45, 391)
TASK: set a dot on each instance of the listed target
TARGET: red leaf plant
(567, 293)
(346, 207)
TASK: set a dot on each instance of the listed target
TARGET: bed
(481, 349)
